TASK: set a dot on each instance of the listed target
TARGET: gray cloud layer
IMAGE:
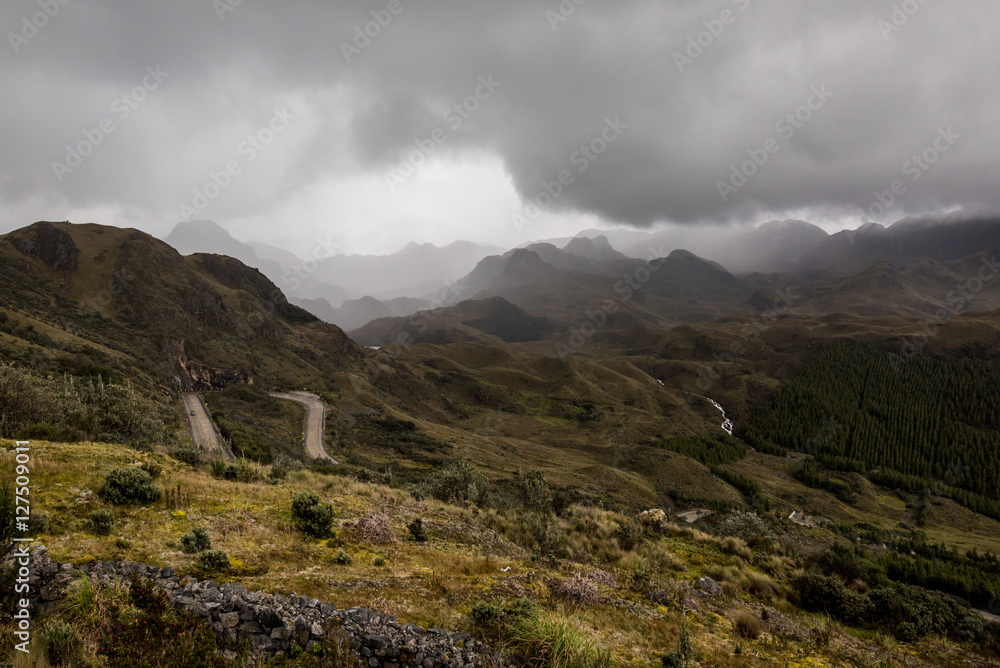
(892, 89)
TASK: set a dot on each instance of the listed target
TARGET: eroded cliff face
(189, 375)
(53, 246)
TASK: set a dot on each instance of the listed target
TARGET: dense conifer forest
(924, 422)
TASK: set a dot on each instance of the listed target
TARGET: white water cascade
(727, 424)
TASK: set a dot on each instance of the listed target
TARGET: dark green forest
(925, 422)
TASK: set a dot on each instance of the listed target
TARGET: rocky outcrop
(269, 623)
(50, 244)
(190, 375)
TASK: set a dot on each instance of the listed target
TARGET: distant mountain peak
(598, 248)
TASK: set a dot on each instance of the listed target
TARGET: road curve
(315, 422)
(202, 429)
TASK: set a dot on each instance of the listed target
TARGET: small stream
(727, 424)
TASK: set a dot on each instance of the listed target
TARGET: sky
(372, 123)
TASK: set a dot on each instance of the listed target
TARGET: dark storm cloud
(702, 88)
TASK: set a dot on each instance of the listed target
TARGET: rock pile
(269, 623)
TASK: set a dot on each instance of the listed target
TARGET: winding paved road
(202, 429)
(315, 422)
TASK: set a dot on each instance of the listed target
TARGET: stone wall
(268, 623)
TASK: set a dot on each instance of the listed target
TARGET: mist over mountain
(581, 334)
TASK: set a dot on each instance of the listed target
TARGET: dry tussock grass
(576, 590)
(374, 528)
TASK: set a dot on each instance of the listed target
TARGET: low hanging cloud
(717, 102)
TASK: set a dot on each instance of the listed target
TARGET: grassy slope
(435, 584)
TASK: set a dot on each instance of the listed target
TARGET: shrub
(218, 468)
(38, 523)
(533, 492)
(231, 472)
(683, 654)
(416, 528)
(196, 540)
(457, 483)
(102, 521)
(153, 469)
(155, 637)
(248, 471)
(214, 561)
(819, 593)
(379, 561)
(60, 642)
(748, 527)
(486, 614)
(189, 455)
(129, 486)
(311, 516)
(342, 558)
(746, 625)
(629, 535)
(277, 474)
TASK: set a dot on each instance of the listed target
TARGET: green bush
(153, 469)
(533, 492)
(496, 621)
(188, 455)
(682, 655)
(416, 528)
(155, 637)
(38, 523)
(909, 613)
(129, 486)
(457, 483)
(311, 516)
(342, 558)
(218, 468)
(820, 593)
(629, 535)
(196, 540)
(102, 521)
(214, 561)
(379, 561)
(60, 642)
(486, 614)
(748, 527)
(278, 473)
